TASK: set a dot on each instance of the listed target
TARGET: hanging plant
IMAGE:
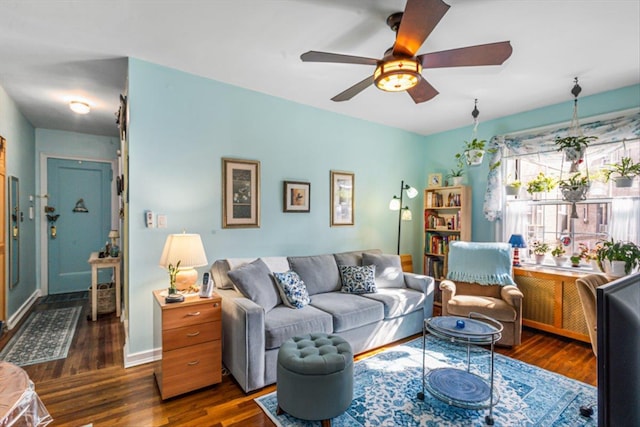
(574, 190)
(626, 171)
(541, 184)
(574, 148)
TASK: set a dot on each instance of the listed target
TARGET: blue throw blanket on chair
(483, 263)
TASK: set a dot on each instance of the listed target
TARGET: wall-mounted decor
(435, 180)
(240, 193)
(297, 196)
(14, 242)
(342, 198)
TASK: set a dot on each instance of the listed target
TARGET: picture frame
(435, 180)
(342, 198)
(240, 193)
(296, 196)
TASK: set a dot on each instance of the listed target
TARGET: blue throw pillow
(292, 289)
(358, 280)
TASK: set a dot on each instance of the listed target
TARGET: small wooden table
(106, 262)
(19, 403)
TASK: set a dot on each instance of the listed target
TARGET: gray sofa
(255, 322)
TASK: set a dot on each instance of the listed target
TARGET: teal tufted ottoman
(315, 377)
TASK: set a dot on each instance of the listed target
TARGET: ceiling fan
(400, 69)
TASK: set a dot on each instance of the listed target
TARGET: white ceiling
(52, 50)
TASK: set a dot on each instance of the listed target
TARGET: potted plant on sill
(626, 171)
(573, 148)
(558, 255)
(618, 258)
(540, 184)
(539, 251)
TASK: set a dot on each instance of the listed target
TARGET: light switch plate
(162, 221)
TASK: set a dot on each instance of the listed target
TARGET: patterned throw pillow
(292, 289)
(358, 280)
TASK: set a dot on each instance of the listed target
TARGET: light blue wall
(443, 146)
(180, 128)
(58, 143)
(20, 151)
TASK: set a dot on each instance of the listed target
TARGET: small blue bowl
(460, 324)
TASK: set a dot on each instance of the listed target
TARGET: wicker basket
(106, 298)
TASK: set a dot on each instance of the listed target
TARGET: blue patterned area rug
(45, 336)
(386, 387)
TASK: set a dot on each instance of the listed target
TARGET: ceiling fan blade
(422, 92)
(353, 90)
(314, 56)
(485, 54)
(420, 17)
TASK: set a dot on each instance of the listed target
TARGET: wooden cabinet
(447, 217)
(190, 335)
(551, 302)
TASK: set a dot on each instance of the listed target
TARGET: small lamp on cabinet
(181, 253)
(517, 241)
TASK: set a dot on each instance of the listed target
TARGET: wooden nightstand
(190, 335)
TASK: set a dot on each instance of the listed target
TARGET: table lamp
(517, 241)
(188, 251)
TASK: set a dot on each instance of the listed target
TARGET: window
(608, 211)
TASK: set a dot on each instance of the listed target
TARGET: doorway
(77, 216)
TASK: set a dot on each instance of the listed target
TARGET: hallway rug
(68, 297)
(45, 336)
(386, 387)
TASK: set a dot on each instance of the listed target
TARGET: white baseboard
(22, 311)
(140, 358)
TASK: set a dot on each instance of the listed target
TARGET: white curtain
(516, 220)
(625, 219)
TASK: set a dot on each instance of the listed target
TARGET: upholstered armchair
(479, 280)
(587, 292)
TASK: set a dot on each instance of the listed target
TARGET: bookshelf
(447, 217)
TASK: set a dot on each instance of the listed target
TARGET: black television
(618, 320)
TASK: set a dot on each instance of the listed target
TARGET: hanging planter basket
(574, 194)
(623, 181)
(474, 157)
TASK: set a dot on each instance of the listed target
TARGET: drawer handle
(194, 363)
(195, 313)
(193, 334)
(215, 304)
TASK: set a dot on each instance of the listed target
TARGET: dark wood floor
(91, 385)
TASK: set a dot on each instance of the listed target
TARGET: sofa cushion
(319, 272)
(353, 257)
(221, 268)
(358, 279)
(254, 281)
(398, 301)
(388, 269)
(292, 289)
(282, 323)
(348, 311)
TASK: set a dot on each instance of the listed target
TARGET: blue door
(79, 206)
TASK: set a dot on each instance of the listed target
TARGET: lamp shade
(114, 234)
(406, 214)
(412, 192)
(186, 248)
(517, 241)
(394, 204)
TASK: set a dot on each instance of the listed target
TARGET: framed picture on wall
(342, 198)
(297, 196)
(240, 193)
(435, 180)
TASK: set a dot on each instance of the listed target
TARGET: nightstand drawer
(190, 368)
(191, 315)
(190, 335)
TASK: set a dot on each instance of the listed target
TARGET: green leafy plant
(456, 172)
(516, 184)
(627, 168)
(541, 184)
(628, 252)
(558, 250)
(574, 181)
(466, 158)
(540, 248)
(576, 143)
(173, 272)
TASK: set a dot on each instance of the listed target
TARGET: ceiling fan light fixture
(398, 75)
(79, 107)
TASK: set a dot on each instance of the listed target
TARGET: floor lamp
(404, 213)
